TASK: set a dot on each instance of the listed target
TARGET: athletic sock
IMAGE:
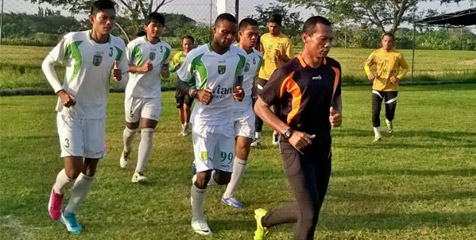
(377, 132)
(239, 168)
(127, 137)
(257, 135)
(145, 145)
(61, 181)
(78, 192)
(212, 181)
(197, 197)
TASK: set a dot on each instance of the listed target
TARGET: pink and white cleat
(55, 204)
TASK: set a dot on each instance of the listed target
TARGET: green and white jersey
(139, 51)
(252, 65)
(88, 71)
(203, 68)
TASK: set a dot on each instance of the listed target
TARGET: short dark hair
(388, 34)
(276, 18)
(309, 26)
(225, 16)
(100, 5)
(247, 22)
(189, 37)
(156, 17)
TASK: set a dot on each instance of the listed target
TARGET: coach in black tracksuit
(308, 90)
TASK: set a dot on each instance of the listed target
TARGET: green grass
(418, 184)
(20, 66)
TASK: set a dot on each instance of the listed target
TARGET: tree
(136, 10)
(292, 21)
(381, 13)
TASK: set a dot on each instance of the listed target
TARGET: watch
(288, 133)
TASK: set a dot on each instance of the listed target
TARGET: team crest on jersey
(97, 59)
(204, 155)
(152, 56)
(247, 66)
(221, 69)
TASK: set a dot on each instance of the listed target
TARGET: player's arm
(367, 64)
(48, 66)
(186, 83)
(403, 68)
(143, 68)
(289, 52)
(175, 63)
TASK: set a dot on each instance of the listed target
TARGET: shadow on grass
(393, 221)
(433, 173)
(411, 197)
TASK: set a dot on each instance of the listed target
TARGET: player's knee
(221, 177)
(132, 126)
(202, 179)
(72, 173)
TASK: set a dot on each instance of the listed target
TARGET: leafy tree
(136, 10)
(292, 22)
(381, 13)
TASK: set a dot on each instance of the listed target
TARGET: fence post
(1, 24)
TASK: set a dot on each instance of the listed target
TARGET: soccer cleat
(256, 142)
(71, 223)
(275, 140)
(55, 204)
(138, 177)
(389, 126)
(261, 231)
(124, 159)
(233, 202)
(200, 226)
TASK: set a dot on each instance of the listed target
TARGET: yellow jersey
(178, 58)
(386, 64)
(269, 44)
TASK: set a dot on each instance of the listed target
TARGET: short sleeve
(274, 88)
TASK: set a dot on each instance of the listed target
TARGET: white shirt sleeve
(57, 55)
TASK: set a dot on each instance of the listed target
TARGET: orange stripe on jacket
(336, 82)
(290, 86)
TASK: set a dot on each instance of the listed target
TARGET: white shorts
(81, 137)
(245, 123)
(213, 147)
(137, 108)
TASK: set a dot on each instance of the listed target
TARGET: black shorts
(181, 98)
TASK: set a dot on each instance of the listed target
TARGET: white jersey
(139, 51)
(204, 68)
(88, 71)
(253, 62)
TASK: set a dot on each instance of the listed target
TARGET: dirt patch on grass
(469, 62)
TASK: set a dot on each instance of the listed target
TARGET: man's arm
(367, 64)
(335, 113)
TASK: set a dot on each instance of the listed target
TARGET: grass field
(418, 184)
(20, 66)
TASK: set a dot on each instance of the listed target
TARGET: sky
(200, 9)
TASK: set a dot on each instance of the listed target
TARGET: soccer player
(148, 58)
(244, 115)
(212, 73)
(89, 57)
(277, 49)
(390, 67)
(184, 101)
(308, 90)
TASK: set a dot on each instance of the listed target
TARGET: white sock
(145, 145)
(61, 181)
(127, 137)
(257, 135)
(78, 192)
(212, 181)
(197, 197)
(239, 168)
(377, 132)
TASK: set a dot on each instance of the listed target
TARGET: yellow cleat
(261, 231)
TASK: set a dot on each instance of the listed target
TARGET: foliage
(292, 22)
(418, 184)
(136, 10)
(378, 13)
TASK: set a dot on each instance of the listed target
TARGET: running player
(148, 58)
(391, 67)
(89, 57)
(184, 101)
(308, 89)
(244, 115)
(277, 49)
(212, 73)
